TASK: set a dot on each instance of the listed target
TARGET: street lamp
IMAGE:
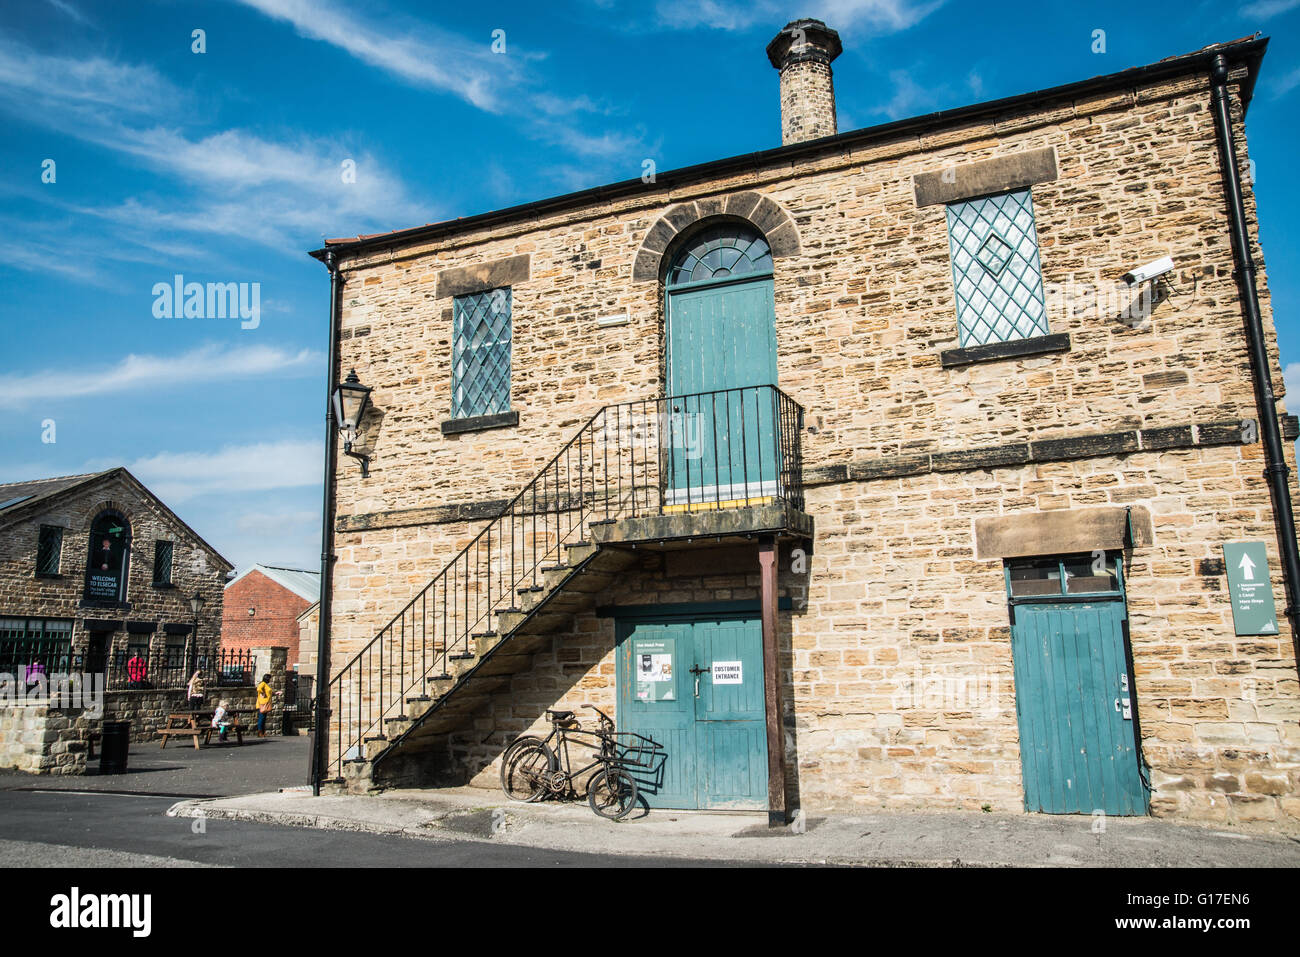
(196, 605)
(351, 399)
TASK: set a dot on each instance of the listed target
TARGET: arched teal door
(721, 349)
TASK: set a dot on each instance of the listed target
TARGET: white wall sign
(727, 673)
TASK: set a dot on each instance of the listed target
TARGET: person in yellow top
(264, 698)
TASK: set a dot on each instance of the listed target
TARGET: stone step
(486, 642)
(510, 620)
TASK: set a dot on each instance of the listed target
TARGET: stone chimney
(803, 52)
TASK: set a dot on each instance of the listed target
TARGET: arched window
(106, 560)
(721, 251)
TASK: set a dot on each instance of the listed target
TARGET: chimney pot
(803, 52)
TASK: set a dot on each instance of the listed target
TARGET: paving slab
(894, 838)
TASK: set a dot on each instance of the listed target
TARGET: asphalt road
(72, 829)
(120, 820)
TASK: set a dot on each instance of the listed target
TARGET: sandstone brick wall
(147, 709)
(807, 101)
(863, 312)
(42, 740)
(275, 621)
(194, 566)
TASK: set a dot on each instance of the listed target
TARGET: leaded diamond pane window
(995, 269)
(480, 354)
(162, 563)
(49, 550)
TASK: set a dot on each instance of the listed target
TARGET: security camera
(1149, 272)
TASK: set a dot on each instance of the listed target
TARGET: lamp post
(351, 399)
(196, 605)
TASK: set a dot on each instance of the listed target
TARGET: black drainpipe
(1275, 469)
(320, 742)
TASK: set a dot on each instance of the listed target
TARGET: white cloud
(1281, 87)
(847, 16)
(205, 364)
(416, 53)
(69, 10)
(284, 193)
(1266, 9)
(1291, 378)
(423, 56)
(910, 98)
(282, 537)
(234, 469)
(35, 82)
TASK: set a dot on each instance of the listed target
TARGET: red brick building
(262, 606)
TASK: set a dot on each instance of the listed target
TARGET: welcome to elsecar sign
(1250, 587)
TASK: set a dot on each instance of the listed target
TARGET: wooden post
(771, 684)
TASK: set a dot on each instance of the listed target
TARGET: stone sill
(480, 423)
(53, 578)
(1016, 348)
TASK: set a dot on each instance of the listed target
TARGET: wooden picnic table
(195, 725)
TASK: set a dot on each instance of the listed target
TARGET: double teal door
(695, 686)
(1076, 709)
(721, 345)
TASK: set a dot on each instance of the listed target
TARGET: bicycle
(533, 768)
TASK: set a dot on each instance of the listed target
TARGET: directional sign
(1253, 609)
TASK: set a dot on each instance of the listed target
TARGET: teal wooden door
(709, 716)
(1075, 709)
(722, 336)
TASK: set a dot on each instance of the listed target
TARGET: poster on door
(652, 663)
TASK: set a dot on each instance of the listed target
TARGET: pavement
(889, 839)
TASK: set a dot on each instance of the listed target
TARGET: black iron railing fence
(165, 668)
(722, 449)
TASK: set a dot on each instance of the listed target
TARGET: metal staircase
(654, 470)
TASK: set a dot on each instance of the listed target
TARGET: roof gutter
(1275, 468)
(1248, 52)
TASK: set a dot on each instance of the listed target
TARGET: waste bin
(115, 744)
(286, 724)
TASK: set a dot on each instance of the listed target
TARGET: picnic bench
(195, 725)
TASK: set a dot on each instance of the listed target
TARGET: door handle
(1127, 710)
(697, 687)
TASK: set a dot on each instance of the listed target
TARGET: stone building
(262, 607)
(95, 567)
(852, 472)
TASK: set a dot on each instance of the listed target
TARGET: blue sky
(227, 166)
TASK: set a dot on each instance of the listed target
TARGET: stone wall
(147, 709)
(42, 740)
(195, 566)
(897, 448)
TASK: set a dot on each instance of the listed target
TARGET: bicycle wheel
(612, 793)
(509, 753)
(523, 777)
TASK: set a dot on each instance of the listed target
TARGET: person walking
(265, 697)
(194, 691)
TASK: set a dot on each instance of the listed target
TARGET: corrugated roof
(301, 581)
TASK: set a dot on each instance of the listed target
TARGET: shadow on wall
(560, 672)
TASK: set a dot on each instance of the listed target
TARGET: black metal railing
(722, 449)
(164, 668)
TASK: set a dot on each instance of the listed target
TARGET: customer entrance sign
(1250, 589)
